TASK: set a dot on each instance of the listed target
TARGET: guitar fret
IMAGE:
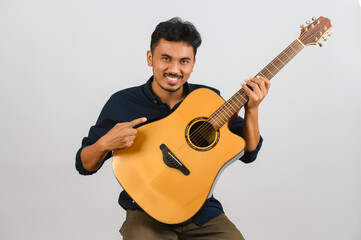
(293, 49)
(221, 116)
(260, 73)
(271, 68)
(267, 75)
(281, 60)
(269, 71)
(237, 101)
(220, 121)
(215, 118)
(286, 55)
(227, 113)
(274, 65)
(217, 123)
(245, 100)
(232, 106)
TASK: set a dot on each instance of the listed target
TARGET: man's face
(172, 64)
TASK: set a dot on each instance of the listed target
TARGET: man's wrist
(251, 111)
(102, 146)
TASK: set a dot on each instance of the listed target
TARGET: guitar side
(165, 193)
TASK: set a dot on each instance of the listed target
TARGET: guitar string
(317, 27)
(235, 106)
(206, 129)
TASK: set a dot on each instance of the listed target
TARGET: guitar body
(166, 193)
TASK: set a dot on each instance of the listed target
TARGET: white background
(61, 60)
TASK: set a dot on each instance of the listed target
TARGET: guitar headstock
(315, 31)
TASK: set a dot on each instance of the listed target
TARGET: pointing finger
(137, 121)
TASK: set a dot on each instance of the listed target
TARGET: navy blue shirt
(132, 103)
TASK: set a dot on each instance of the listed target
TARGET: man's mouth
(172, 78)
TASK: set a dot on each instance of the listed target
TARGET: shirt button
(155, 101)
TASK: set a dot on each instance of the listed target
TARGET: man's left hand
(260, 86)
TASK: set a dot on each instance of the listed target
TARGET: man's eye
(184, 61)
(166, 58)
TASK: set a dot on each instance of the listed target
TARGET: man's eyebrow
(184, 58)
(165, 55)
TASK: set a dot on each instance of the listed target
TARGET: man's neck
(169, 98)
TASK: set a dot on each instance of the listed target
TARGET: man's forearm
(92, 156)
(250, 131)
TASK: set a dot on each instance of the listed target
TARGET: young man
(174, 46)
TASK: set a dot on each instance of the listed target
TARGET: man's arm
(122, 135)
(250, 131)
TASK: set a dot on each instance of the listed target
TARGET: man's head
(172, 56)
(176, 30)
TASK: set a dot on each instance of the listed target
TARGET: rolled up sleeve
(248, 156)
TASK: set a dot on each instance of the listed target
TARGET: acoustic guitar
(172, 167)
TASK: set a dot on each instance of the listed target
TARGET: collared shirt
(132, 103)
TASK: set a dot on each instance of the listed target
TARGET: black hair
(176, 30)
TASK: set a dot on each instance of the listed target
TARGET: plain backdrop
(61, 60)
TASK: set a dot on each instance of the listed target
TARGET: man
(174, 46)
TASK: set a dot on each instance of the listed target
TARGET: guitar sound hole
(202, 134)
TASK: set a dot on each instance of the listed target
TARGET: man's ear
(150, 58)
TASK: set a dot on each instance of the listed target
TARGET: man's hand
(260, 86)
(121, 136)
(250, 130)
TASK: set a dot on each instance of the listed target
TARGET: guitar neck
(240, 98)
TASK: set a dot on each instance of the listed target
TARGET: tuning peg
(320, 44)
(324, 38)
(308, 22)
(302, 26)
(314, 18)
(329, 33)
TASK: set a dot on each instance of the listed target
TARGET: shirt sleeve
(106, 121)
(248, 156)
(78, 163)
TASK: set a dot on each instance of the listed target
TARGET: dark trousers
(140, 226)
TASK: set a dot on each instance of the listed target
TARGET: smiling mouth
(173, 78)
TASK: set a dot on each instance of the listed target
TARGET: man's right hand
(121, 136)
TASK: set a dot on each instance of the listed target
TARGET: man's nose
(174, 67)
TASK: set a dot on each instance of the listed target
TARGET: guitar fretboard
(240, 98)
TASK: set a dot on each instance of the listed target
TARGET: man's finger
(247, 89)
(253, 85)
(266, 81)
(137, 121)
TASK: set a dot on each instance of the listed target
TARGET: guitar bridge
(172, 161)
